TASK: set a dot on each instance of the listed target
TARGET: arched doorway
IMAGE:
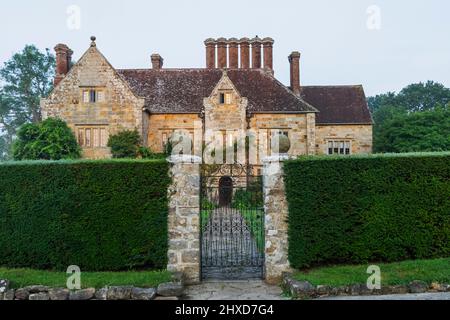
(225, 191)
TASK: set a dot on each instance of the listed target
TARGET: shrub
(125, 144)
(51, 139)
(368, 208)
(99, 215)
(147, 153)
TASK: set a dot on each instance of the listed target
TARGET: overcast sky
(383, 45)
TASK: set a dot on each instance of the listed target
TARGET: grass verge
(433, 270)
(25, 277)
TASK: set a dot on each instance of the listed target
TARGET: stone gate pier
(184, 252)
(276, 215)
(184, 217)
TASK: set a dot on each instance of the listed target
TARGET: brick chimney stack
(230, 51)
(233, 53)
(210, 53)
(63, 62)
(294, 60)
(221, 53)
(157, 61)
(256, 52)
(245, 53)
(268, 53)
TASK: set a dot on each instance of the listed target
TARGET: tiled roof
(338, 104)
(183, 90)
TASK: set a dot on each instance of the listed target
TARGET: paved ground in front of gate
(234, 290)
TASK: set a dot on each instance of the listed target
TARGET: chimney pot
(233, 52)
(294, 60)
(256, 52)
(222, 53)
(245, 53)
(157, 61)
(210, 53)
(268, 53)
(63, 61)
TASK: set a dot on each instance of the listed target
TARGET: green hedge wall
(99, 215)
(368, 208)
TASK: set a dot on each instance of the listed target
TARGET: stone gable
(119, 109)
(228, 115)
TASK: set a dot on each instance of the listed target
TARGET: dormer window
(93, 95)
(225, 98)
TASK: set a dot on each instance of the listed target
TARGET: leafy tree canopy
(413, 98)
(419, 131)
(415, 119)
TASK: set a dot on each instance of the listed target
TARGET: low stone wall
(305, 290)
(165, 291)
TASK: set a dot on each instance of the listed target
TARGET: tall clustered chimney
(294, 60)
(221, 53)
(268, 53)
(233, 53)
(245, 53)
(228, 52)
(157, 61)
(210, 53)
(63, 62)
(256, 53)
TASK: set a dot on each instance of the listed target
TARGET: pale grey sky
(411, 45)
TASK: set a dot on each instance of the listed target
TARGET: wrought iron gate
(232, 222)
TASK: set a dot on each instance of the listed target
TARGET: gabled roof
(183, 90)
(338, 104)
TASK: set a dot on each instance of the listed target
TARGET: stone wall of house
(160, 126)
(121, 109)
(184, 217)
(360, 137)
(300, 128)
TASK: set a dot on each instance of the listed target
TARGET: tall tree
(423, 96)
(415, 119)
(419, 131)
(26, 77)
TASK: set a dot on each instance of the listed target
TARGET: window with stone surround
(93, 95)
(92, 136)
(225, 98)
(339, 147)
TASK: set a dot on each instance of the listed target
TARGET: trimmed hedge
(368, 208)
(100, 215)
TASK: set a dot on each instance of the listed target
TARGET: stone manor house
(236, 91)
